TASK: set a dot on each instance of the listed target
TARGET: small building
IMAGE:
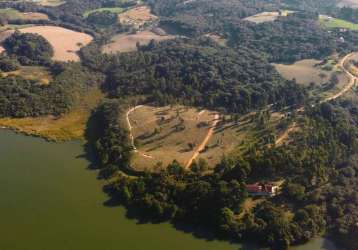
(259, 189)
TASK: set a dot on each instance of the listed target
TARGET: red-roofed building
(259, 189)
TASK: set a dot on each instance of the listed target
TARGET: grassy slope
(36, 73)
(67, 127)
(116, 10)
(337, 23)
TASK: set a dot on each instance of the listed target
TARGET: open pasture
(137, 16)
(330, 22)
(128, 42)
(162, 134)
(12, 14)
(267, 16)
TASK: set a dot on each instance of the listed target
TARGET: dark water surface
(49, 200)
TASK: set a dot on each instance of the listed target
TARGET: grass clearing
(267, 16)
(314, 71)
(128, 42)
(137, 16)
(330, 22)
(304, 71)
(65, 42)
(116, 10)
(35, 73)
(12, 14)
(70, 126)
(162, 134)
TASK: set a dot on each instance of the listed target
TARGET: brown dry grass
(168, 143)
(127, 42)
(304, 71)
(137, 16)
(67, 127)
(64, 41)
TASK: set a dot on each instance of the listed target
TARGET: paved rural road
(352, 81)
(205, 141)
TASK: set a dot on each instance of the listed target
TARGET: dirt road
(204, 142)
(352, 81)
(130, 126)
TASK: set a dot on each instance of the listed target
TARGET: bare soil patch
(128, 42)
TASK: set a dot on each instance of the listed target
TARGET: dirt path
(130, 126)
(352, 81)
(204, 142)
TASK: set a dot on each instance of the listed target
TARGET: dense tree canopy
(29, 48)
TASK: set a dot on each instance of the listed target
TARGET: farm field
(64, 41)
(128, 42)
(330, 22)
(70, 126)
(13, 14)
(116, 10)
(137, 16)
(267, 16)
(37, 73)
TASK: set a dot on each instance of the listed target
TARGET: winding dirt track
(352, 81)
(130, 126)
(205, 141)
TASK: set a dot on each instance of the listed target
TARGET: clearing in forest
(36, 73)
(325, 77)
(66, 43)
(267, 16)
(128, 42)
(115, 10)
(12, 14)
(330, 22)
(162, 134)
(137, 16)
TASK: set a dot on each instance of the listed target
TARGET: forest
(318, 165)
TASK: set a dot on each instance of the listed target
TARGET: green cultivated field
(337, 23)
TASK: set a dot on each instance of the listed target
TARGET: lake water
(49, 200)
